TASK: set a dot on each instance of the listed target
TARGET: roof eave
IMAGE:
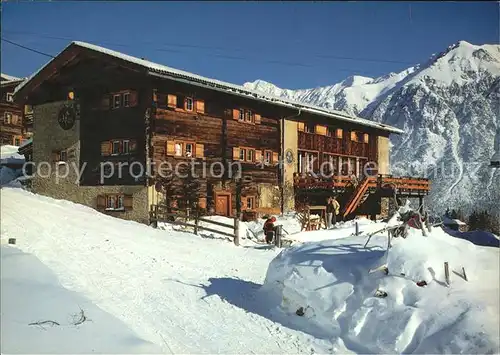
(283, 103)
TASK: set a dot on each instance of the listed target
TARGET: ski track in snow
(154, 285)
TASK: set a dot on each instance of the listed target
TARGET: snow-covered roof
(193, 79)
(5, 79)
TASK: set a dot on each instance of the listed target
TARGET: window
(250, 155)
(126, 99)
(119, 202)
(249, 116)
(115, 202)
(10, 97)
(249, 202)
(178, 149)
(126, 147)
(334, 132)
(117, 100)
(268, 157)
(110, 202)
(243, 153)
(63, 155)
(242, 114)
(189, 150)
(309, 128)
(17, 141)
(7, 119)
(116, 147)
(189, 104)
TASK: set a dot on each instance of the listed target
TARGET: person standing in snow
(269, 229)
(330, 209)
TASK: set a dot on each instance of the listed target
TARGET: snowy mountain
(450, 110)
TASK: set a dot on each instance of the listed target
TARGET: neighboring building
(455, 224)
(11, 114)
(93, 105)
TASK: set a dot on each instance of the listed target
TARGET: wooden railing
(188, 218)
(378, 181)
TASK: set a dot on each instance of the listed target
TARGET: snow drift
(330, 282)
(40, 316)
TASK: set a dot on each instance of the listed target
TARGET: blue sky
(293, 45)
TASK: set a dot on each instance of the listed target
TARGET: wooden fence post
(196, 220)
(447, 273)
(236, 230)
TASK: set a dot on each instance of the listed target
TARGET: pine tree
(190, 190)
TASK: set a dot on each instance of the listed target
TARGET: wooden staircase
(359, 195)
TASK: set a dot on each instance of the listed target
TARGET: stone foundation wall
(60, 180)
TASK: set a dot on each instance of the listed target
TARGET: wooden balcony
(384, 183)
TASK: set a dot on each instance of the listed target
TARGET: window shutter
(236, 114)
(200, 106)
(365, 138)
(172, 101)
(170, 148)
(321, 130)
(300, 126)
(236, 153)
(258, 156)
(128, 202)
(276, 158)
(339, 133)
(353, 136)
(133, 98)
(106, 148)
(257, 119)
(132, 145)
(101, 202)
(200, 150)
(55, 156)
(105, 102)
(202, 202)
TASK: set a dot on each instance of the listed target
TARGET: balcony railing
(379, 181)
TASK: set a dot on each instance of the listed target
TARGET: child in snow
(269, 229)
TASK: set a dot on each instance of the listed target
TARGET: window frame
(63, 155)
(243, 152)
(248, 151)
(114, 104)
(186, 100)
(242, 115)
(309, 128)
(115, 202)
(193, 147)
(247, 200)
(249, 116)
(7, 117)
(125, 143)
(183, 149)
(9, 97)
(113, 142)
(266, 153)
(126, 103)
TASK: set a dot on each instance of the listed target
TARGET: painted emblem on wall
(67, 117)
(289, 156)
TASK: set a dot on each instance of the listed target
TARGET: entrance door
(222, 205)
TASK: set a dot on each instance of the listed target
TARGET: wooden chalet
(12, 130)
(93, 105)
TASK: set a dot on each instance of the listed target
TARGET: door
(222, 205)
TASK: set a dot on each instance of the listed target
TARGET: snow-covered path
(181, 292)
